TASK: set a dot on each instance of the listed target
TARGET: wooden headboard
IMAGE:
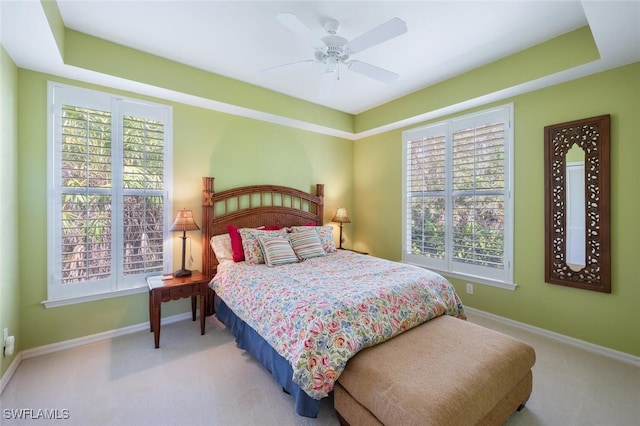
(251, 207)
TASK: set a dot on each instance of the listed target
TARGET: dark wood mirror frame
(592, 135)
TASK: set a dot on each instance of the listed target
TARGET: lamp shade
(341, 216)
(184, 222)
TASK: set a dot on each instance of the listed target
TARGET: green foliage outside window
(86, 202)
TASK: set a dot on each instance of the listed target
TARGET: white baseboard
(611, 353)
(4, 380)
(68, 344)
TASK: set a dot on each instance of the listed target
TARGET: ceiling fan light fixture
(332, 60)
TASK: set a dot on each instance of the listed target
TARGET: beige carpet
(207, 380)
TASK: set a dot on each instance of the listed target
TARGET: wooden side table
(173, 289)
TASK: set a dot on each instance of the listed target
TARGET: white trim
(6, 377)
(472, 278)
(59, 94)
(480, 280)
(92, 338)
(93, 297)
(571, 74)
(117, 83)
(244, 112)
(68, 344)
(60, 69)
(502, 277)
(30, 43)
(580, 344)
(80, 341)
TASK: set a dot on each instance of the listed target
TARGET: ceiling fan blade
(328, 84)
(379, 34)
(373, 72)
(296, 26)
(288, 67)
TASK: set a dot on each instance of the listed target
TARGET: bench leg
(342, 420)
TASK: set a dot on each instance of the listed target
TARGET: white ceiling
(238, 38)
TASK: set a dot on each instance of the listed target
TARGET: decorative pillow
(306, 244)
(236, 240)
(236, 243)
(251, 245)
(276, 250)
(221, 245)
(325, 233)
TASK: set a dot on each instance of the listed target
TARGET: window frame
(502, 278)
(118, 283)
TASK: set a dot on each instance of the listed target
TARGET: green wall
(364, 176)
(9, 284)
(609, 320)
(235, 150)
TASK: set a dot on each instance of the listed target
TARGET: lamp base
(182, 273)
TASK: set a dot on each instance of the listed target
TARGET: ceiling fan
(334, 51)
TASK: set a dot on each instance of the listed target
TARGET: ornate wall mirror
(576, 183)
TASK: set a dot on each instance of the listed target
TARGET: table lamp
(341, 217)
(184, 222)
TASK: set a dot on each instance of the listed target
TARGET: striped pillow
(251, 245)
(276, 250)
(306, 244)
(325, 233)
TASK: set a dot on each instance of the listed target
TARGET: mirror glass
(576, 225)
(576, 173)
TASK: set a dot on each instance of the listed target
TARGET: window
(109, 208)
(457, 196)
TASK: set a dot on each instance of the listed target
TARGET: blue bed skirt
(249, 340)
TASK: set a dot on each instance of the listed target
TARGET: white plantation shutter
(457, 198)
(143, 186)
(109, 206)
(84, 193)
(425, 158)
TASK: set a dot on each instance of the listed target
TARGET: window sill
(473, 278)
(93, 297)
(483, 281)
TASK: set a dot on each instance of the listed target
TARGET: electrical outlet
(469, 288)
(5, 334)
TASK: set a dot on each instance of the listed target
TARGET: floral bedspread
(319, 313)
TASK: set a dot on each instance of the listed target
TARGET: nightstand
(173, 289)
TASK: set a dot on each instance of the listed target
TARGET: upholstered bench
(445, 372)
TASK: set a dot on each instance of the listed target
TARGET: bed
(304, 319)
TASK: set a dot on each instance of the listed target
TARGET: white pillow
(221, 246)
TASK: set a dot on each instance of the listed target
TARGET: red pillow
(236, 243)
